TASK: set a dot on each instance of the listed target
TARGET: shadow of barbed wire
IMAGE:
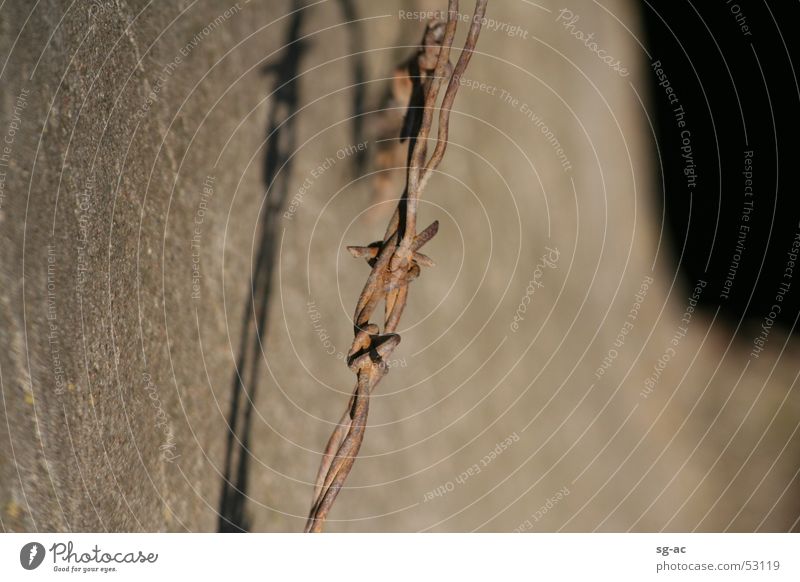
(280, 144)
(355, 38)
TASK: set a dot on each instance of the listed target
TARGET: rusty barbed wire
(395, 260)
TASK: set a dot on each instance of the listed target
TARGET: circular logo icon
(31, 555)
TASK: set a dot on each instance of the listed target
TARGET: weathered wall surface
(143, 263)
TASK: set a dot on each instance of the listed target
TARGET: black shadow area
(724, 97)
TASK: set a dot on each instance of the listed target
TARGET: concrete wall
(143, 263)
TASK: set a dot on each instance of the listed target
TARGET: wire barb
(395, 260)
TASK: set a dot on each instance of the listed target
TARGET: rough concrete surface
(153, 214)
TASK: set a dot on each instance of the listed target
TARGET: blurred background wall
(180, 180)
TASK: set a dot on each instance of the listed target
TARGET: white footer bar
(329, 558)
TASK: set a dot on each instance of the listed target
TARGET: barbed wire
(395, 260)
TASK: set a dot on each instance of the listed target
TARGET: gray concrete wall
(132, 285)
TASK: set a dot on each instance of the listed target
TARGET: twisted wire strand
(396, 259)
